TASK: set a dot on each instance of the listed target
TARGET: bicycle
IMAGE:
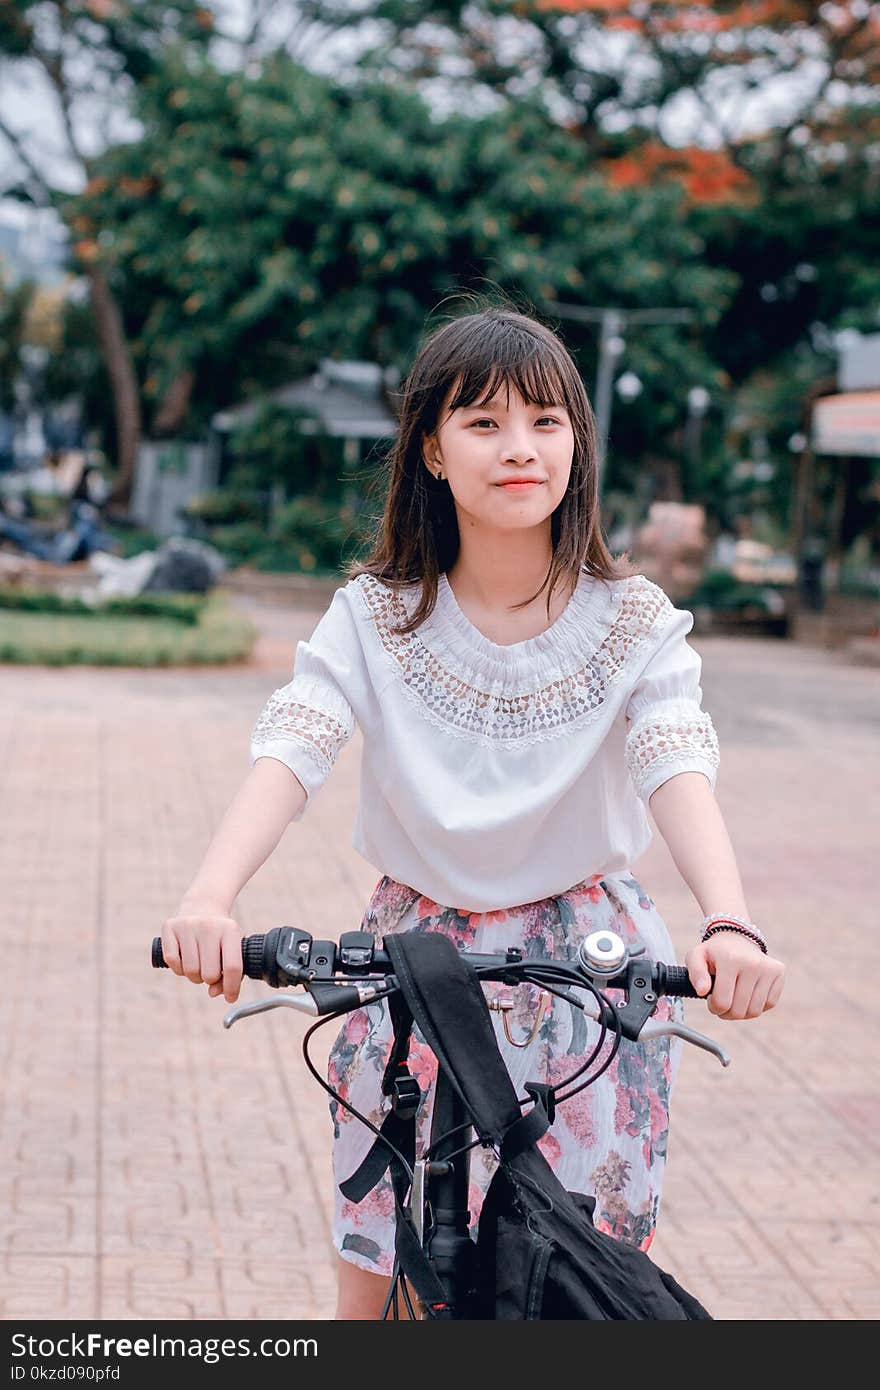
(356, 972)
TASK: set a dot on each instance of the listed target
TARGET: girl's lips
(514, 486)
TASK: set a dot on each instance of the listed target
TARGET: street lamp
(612, 344)
(698, 402)
(628, 387)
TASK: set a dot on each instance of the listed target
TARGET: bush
(181, 608)
(273, 448)
(225, 507)
(721, 590)
(239, 543)
(131, 539)
(309, 535)
(221, 635)
(317, 531)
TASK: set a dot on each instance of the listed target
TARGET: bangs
(518, 360)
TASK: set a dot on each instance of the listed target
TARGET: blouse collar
(583, 622)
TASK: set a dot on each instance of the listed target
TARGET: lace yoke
(528, 691)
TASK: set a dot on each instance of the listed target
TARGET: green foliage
(180, 608)
(790, 217)
(271, 448)
(226, 506)
(125, 40)
(221, 635)
(618, 71)
(130, 540)
(75, 368)
(248, 253)
(722, 591)
(14, 303)
(240, 542)
(15, 32)
(318, 532)
(309, 535)
(271, 216)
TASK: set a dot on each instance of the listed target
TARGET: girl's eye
(545, 419)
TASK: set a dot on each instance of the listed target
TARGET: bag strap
(530, 1127)
(440, 993)
(399, 1125)
(448, 1004)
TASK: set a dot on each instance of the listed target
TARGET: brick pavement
(153, 1165)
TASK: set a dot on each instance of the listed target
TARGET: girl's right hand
(205, 945)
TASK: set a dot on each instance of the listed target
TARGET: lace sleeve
(667, 730)
(306, 723)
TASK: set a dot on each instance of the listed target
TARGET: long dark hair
(418, 537)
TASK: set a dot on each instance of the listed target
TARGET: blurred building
(847, 424)
(347, 401)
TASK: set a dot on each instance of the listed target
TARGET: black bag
(538, 1255)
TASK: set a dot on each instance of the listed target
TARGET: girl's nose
(518, 450)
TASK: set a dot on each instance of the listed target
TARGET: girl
(523, 698)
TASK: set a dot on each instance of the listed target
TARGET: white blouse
(494, 775)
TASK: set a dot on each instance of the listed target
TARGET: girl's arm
(202, 940)
(689, 818)
(690, 821)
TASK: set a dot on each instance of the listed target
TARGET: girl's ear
(429, 446)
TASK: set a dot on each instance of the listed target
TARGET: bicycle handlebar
(285, 956)
(353, 972)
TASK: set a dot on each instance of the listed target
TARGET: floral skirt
(609, 1140)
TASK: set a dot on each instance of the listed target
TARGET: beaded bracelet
(740, 931)
(715, 917)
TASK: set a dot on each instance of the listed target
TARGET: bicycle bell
(603, 953)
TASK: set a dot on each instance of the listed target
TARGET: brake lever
(662, 1028)
(323, 998)
(651, 1027)
(303, 1003)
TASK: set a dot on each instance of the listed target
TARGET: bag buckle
(405, 1097)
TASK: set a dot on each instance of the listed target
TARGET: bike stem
(440, 1198)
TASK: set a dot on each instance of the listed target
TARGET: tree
(90, 57)
(764, 112)
(275, 217)
(607, 68)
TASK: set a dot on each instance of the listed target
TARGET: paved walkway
(154, 1166)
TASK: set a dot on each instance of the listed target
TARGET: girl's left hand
(746, 981)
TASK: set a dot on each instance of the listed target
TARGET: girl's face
(480, 449)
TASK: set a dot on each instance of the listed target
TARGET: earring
(439, 476)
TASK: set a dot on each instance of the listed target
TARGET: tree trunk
(120, 369)
(171, 415)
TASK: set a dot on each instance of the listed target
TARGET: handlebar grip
(251, 956)
(676, 981)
